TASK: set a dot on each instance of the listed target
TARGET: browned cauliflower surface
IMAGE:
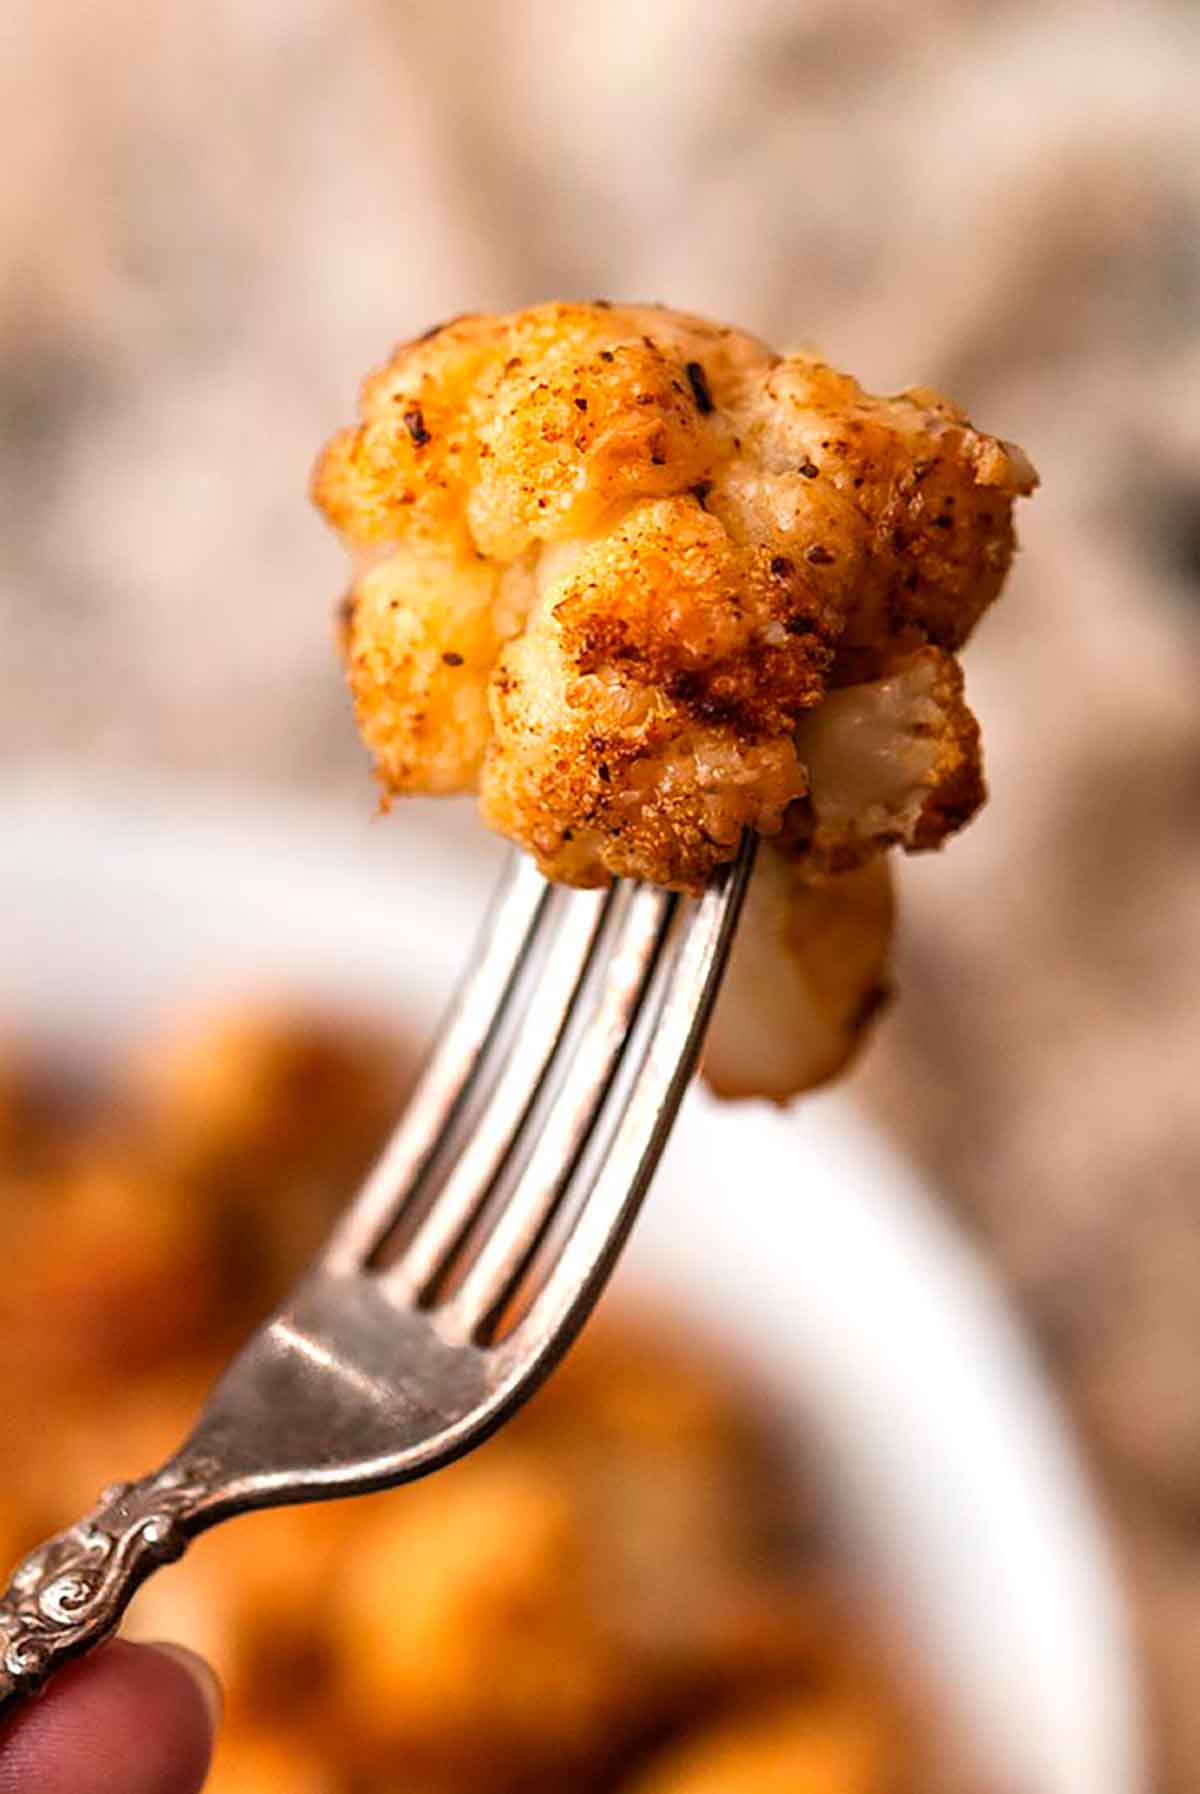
(644, 584)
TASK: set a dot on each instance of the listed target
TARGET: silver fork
(465, 1266)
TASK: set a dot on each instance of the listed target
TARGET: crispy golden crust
(899, 501)
(528, 427)
(615, 556)
(424, 632)
(575, 428)
(645, 715)
(405, 472)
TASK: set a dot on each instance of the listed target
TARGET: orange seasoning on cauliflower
(642, 584)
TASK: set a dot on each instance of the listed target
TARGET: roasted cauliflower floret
(404, 474)
(470, 1633)
(143, 1270)
(612, 559)
(424, 630)
(845, 1743)
(646, 714)
(898, 504)
(807, 974)
(255, 1759)
(894, 761)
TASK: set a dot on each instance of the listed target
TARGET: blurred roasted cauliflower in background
(629, 1589)
(643, 584)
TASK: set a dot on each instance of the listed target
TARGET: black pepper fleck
(809, 470)
(698, 381)
(452, 659)
(781, 567)
(604, 775)
(414, 423)
(819, 556)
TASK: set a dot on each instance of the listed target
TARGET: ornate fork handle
(71, 1592)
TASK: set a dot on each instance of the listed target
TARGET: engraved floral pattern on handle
(69, 1594)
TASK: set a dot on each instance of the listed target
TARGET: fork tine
(689, 980)
(506, 937)
(343, 1390)
(580, 916)
(639, 923)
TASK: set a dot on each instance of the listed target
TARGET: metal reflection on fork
(465, 1266)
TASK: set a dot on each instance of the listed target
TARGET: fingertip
(133, 1718)
(201, 1673)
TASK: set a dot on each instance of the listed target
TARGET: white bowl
(882, 1336)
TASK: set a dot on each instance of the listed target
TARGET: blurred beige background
(213, 219)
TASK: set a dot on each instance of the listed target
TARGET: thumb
(130, 1719)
